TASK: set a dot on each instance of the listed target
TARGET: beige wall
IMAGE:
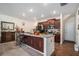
(69, 28)
(29, 25)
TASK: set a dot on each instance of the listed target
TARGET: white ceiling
(30, 11)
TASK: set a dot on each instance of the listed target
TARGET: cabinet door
(3, 38)
(38, 44)
(32, 41)
(57, 37)
(25, 38)
(28, 41)
(13, 35)
(8, 36)
(35, 45)
(57, 24)
(35, 42)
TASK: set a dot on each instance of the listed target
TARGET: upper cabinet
(57, 24)
(48, 26)
(50, 23)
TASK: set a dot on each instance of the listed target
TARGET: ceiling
(30, 11)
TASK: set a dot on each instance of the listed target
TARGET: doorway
(69, 29)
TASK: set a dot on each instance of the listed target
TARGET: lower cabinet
(7, 36)
(38, 44)
(34, 42)
(57, 38)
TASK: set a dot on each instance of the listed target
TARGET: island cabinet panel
(57, 37)
(34, 42)
(27, 40)
(38, 44)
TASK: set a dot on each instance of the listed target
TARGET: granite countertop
(7, 30)
(41, 35)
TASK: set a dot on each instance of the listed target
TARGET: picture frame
(7, 25)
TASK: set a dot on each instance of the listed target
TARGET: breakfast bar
(44, 44)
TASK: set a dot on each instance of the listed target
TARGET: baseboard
(53, 54)
(69, 41)
(34, 49)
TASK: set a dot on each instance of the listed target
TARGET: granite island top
(41, 35)
(43, 43)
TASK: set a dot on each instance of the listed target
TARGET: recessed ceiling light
(31, 10)
(23, 14)
(45, 4)
(42, 15)
(54, 12)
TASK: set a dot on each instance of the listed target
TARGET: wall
(69, 29)
(29, 25)
(0, 32)
(76, 46)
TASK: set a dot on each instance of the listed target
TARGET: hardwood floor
(67, 49)
(11, 49)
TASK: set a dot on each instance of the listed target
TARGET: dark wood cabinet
(38, 44)
(47, 23)
(57, 24)
(7, 36)
(35, 42)
(57, 37)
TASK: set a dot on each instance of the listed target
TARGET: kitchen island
(44, 44)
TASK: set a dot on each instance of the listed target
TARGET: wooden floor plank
(66, 49)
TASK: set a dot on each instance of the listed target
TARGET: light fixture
(31, 10)
(54, 12)
(45, 4)
(42, 15)
(23, 14)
